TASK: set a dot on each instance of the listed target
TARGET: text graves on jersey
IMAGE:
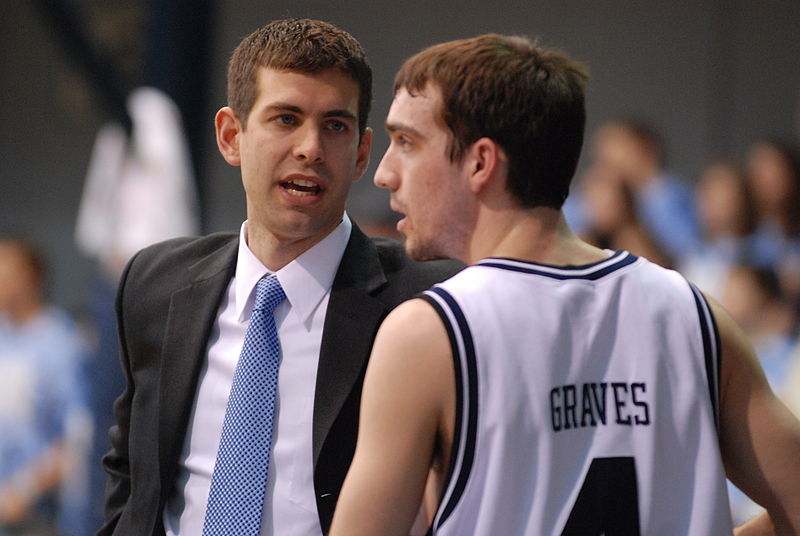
(603, 403)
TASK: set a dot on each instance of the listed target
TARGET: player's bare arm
(760, 526)
(759, 437)
(408, 393)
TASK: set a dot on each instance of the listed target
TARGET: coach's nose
(308, 146)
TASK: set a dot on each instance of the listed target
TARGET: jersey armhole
(466, 414)
(711, 349)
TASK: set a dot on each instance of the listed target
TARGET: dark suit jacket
(166, 307)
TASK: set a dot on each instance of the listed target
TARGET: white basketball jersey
(586, 402)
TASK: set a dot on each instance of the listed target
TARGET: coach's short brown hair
(528, 99)
(304, 45)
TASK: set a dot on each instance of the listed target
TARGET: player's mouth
(401, 224)
(301, 186)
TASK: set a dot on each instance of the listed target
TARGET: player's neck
(538, 235)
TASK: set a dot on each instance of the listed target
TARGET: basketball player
(551, 387)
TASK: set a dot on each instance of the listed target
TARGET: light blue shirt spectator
(666, 206)
(41, 391)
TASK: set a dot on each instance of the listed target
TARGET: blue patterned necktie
(236, 499)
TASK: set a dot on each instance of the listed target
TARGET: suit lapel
(352, 318)
(192, 312)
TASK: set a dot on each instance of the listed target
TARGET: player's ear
(482, 162)
(228, 127)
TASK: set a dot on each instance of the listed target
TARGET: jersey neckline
(591, 272)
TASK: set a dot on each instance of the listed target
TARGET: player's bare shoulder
(414, 333)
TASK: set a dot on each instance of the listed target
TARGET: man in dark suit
(299, 93)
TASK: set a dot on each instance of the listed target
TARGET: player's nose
(385, 175)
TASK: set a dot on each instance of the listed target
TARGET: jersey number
(607, 504)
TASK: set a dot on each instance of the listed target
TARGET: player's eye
(403, 141)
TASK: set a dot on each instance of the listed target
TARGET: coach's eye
(336, 126)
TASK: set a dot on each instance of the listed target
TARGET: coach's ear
(485, 163)
(228, 127)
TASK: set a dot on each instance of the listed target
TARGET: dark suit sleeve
(116, 462)
(375, 276)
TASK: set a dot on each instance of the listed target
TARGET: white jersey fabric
(586, 402)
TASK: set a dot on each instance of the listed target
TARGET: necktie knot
(269, 293)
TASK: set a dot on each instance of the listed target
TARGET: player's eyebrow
(392, 127)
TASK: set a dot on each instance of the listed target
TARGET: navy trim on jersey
(711, 349)
(718, 345)
(466, 371)
(457, 431)
(592, 272)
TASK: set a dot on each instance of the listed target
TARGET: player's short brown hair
(526, 98)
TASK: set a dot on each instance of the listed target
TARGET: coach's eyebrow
(286, 107)
(345, 114)
(403, 127)
(283, 107)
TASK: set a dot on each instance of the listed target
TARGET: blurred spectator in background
(43, 421)
(139, 190)
(774, 169)
(726, 217)
(611, 216)
(663, 200)
(753, 298)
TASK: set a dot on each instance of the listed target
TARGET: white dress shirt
(290, 504)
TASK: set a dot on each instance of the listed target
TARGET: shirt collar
(305, 280)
